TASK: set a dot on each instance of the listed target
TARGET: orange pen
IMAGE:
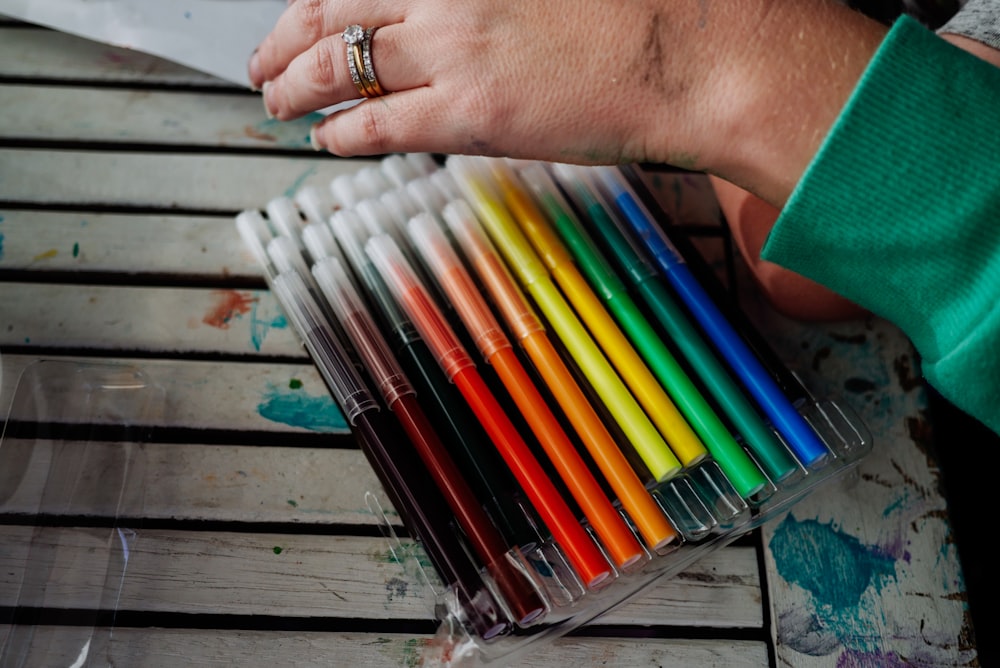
(413, 296)
(430, 241)
(528, 329)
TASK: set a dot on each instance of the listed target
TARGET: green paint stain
(278, 549)
(292, 503)
(76, 249)
(413, 650)
(295, 384)
(406, 552)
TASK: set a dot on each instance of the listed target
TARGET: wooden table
(251, 541)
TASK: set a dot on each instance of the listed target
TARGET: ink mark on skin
(652, 49)
(702, 14)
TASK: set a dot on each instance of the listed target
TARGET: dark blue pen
(800, 437)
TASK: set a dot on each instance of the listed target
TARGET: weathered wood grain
(177, 648)
(209, 182)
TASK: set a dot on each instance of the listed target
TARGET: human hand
(745, 90)
(564, 80)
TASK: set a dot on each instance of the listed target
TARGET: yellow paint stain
(47, 255)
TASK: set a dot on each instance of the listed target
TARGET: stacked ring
(359, 60)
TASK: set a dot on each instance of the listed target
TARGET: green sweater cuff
(897, 211)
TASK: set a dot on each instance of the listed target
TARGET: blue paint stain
(259, 327)
(298, 409)
(293, 134)
(834, 567)
(1, 241)
(294, 188)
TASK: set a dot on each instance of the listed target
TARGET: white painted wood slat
(247, 396)
(146, 117)
(162, 320)
(226, 183)
(180, 648)
(190, 247)
(298, 575)
(47, 54)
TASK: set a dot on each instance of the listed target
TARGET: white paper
(213, 36)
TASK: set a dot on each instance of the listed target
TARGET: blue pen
(800, 437)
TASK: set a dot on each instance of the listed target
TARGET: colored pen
(806, 444)
(285, 217)
(315, 203)
(789, 383)
(398, 169)
(399, 396)
(524, 262)
(429, 239)
(468, 442)
(633, 263)
(528, 329)
(580, 549)
(734, 461)
(633, 370)
(409, 488)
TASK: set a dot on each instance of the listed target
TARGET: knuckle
(312, 14)
(372, 132)
(322, 69)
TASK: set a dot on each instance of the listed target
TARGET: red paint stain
(229, 304)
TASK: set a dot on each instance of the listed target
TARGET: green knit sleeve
(900, 210)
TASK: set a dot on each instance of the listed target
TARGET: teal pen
(775, 459)
(746, 478)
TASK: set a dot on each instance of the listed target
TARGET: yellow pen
(633, 370)
(525, 263)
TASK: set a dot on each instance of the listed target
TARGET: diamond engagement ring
(359, 60)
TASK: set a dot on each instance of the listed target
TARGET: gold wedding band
(359, 60)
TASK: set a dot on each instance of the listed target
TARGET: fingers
(402, 122)
(320, 77)
(306, 22)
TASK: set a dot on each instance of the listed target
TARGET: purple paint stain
(834, 567)
(856, 659)
(1, 241)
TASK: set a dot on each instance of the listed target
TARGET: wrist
(775, 89)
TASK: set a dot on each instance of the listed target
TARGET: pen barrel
(523, 600)
(580, 549)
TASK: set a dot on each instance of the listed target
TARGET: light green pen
(773, 457)
(525, 264)
(744, 475)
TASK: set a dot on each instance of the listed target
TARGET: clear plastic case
(80, 493)
(709, 503)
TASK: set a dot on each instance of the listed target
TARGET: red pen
(412, 294)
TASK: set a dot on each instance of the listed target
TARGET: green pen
(772, 456)
(744, 475)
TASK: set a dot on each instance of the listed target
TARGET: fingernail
(253, 68)
(313, 141)
(265, 96)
